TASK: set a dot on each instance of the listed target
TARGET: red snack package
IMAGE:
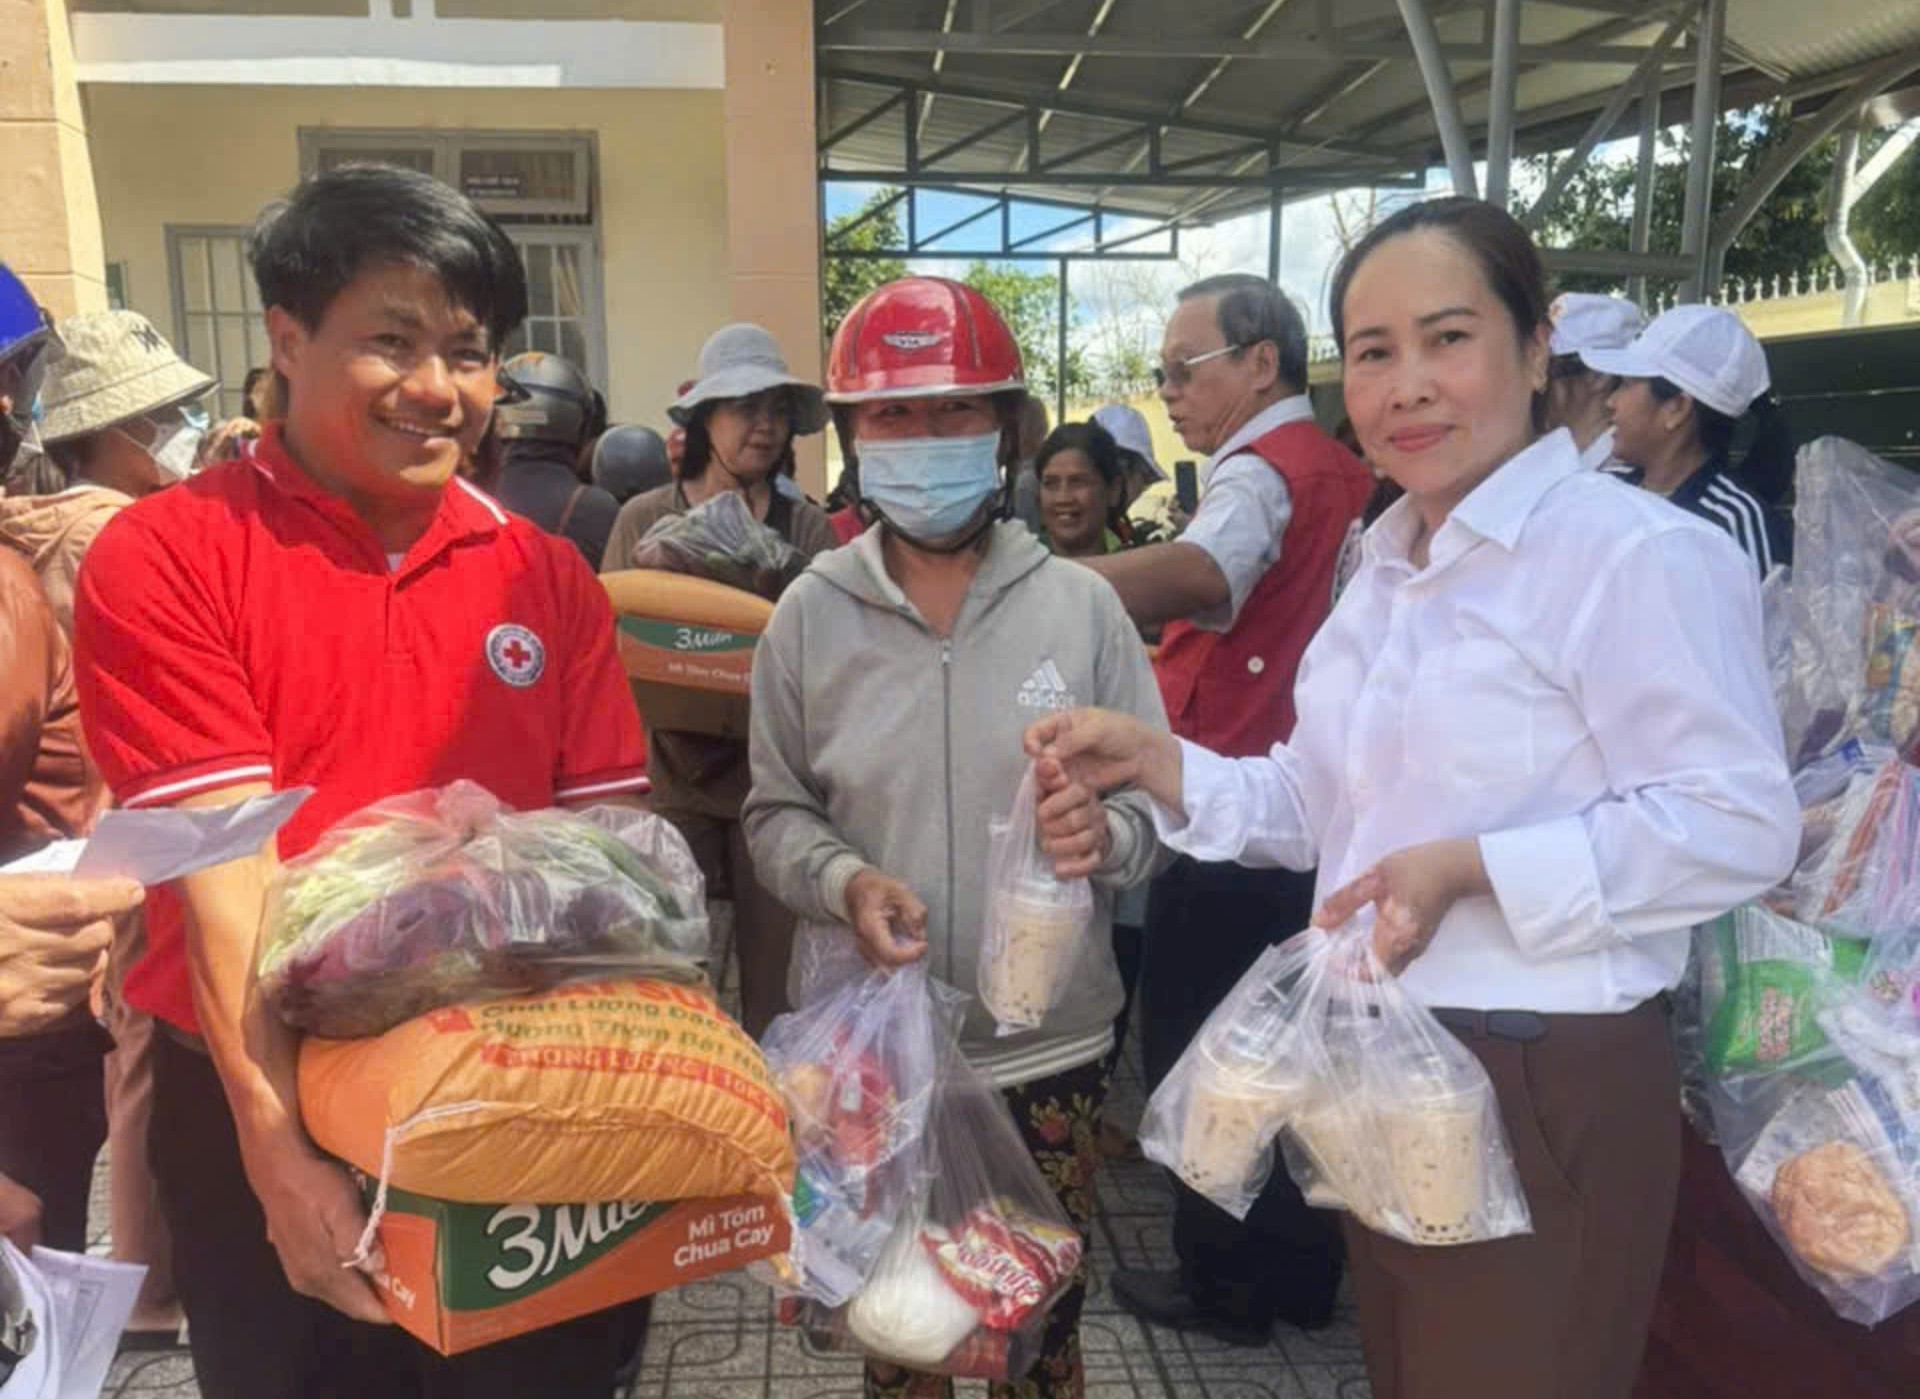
(1056, 1247)
(1004, 1262)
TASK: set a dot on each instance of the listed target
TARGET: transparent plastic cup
(1435, 1145)
(1336, 1137)
(1037, 942)
(1234, 1106)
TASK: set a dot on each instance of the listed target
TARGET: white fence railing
(1822, 280)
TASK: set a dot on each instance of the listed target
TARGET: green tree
(1786, 238)
(1030, 301)
(844, 280)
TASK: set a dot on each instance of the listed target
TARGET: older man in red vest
(1241, 592)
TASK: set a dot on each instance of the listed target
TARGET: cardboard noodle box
(462, 1276)
(687, 647)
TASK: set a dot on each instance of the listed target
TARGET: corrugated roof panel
(1354, 99)
(1808, 39)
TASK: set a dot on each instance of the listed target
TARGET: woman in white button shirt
(1536, 743)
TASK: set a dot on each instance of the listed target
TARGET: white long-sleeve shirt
(1576, 679)
(1245, 508)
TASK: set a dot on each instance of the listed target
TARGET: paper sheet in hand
(156, 846)
(80, 1305)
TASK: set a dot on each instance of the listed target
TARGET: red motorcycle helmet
(922, 337)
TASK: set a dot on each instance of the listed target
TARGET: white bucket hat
(109, 367)
(1128, 428)
(1584, 321)
(1704, 351)
(743, 359)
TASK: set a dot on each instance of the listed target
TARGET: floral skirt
(1059, 1119)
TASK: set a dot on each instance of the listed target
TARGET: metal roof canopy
(1170, 114)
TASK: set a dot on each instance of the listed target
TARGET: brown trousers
(1592, 1113)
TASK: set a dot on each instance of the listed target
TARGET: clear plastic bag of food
(825, 957)
(1036, 923)
(1214, 1120)
(858, 1069)
(1376, 1108)
(1776, 630)
(447, 895)
(1855, 600)
(1766, 981)
(968, 1277)
(1817, 1107)
(1832, 1174)
(720, 540)
(1859, 873)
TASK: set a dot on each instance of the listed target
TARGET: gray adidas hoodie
(875, 742)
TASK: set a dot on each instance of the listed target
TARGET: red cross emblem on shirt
(515, 654)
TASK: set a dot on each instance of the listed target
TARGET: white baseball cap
(1129, 430)
(1584, 321)
(1704, 351)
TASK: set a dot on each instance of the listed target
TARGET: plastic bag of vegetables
(720, 540)
(447, 895)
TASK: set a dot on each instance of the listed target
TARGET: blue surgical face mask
(174, 440)
(930, 488)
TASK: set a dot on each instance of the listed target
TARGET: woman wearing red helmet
(890, 692)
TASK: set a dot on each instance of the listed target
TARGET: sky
(1308, 245)
(1136, 296)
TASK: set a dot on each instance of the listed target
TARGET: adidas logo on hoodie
(1045, 689)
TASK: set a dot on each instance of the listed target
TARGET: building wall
(49, 226)
(175, 155)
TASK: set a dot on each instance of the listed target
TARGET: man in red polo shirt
(336, 610)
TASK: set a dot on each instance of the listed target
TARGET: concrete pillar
(49, 217)
(773, 219)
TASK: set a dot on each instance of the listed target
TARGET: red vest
(1233, 691)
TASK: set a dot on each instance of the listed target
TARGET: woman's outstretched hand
(1411, 891)
(1101, 749)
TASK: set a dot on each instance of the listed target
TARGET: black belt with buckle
(1519, 1026)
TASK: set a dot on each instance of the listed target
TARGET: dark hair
(307, 248)
(1034, 422)
(699, 449)
(1767, 468)
(1251, 309)
(254, 376)
(1090, 440)
(1493, 237)
(1712, 429)
(1571, 366)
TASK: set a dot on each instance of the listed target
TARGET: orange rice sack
(617, 1090)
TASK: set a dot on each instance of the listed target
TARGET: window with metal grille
(218, 325)
(562, 296)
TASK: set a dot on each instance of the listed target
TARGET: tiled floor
(717, 1339)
